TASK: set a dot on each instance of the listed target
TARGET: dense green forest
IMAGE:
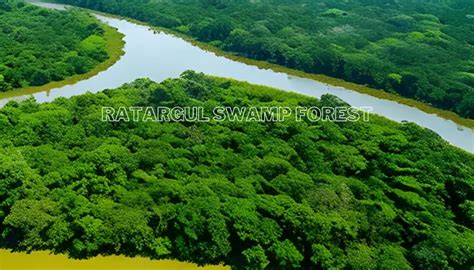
(280, 195)
(39, 45)
(421, 49)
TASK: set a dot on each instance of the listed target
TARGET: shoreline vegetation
(114, 47)
(427, 108)
(44, 260)
(448, 115)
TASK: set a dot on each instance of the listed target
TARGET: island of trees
(275, 195)
(39, 46)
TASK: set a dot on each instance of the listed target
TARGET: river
(159, 56)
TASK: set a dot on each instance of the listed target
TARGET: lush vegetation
(39, 45)
(285, 195)
(418, 49)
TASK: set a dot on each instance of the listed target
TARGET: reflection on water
(159, 56)
(45, 261)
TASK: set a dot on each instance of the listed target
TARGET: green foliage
(288, 195)
(93, 47)
(361, 257)
(39, 46)
(255, 257)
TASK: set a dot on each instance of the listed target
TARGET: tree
(287, 255)
(255, 258)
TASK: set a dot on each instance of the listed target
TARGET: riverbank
(326, 79)
(114, 47)
(449, 115)
(43, 260)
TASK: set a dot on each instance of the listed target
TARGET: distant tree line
(38, 46)
(285, 195)
(418, 49)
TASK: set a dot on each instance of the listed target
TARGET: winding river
(159, 56)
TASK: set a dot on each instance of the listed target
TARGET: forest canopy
(418, 49)
(39, 45)
(285, 195)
